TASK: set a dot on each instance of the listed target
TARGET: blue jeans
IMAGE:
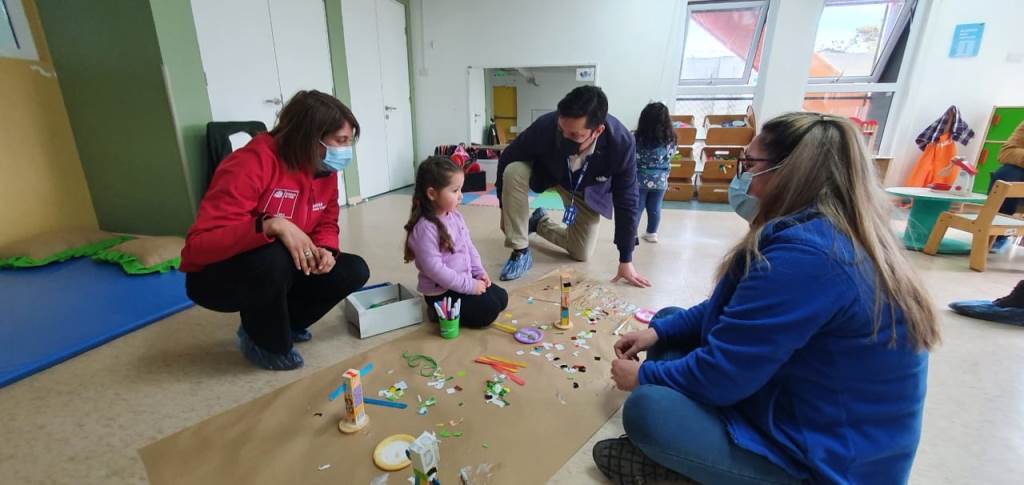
(689, 437)
(650, 199)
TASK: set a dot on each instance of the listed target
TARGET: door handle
(273, 101)
(390, 108)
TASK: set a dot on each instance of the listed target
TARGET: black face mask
(567, 146)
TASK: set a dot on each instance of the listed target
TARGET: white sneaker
(650, 237)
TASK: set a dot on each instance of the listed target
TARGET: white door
(361, 52)
(258, 53)
(236, 45)
(300, 41)
(394, 70)
(378, 70)
(477, 104)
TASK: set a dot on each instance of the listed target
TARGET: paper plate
(644, 315)
(389, 455)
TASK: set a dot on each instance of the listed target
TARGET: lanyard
(570, 212)
(576, 186)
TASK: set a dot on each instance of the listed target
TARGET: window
(863, 106)
(856, 61)
(723, 43)
(856, 39)
(15, 34)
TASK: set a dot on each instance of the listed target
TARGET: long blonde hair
(823, 163)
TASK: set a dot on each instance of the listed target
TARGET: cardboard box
(713, 192)
(718, 171)
(716, 134)
(685, 136)
(730, 153)
(680, 189)
(402, 307)
(720, 163)
(682, 166)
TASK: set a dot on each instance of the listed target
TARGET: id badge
(570, 215)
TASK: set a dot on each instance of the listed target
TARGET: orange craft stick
(512, 362)
(512, 377)
(504, 367)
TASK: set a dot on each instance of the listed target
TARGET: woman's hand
(626, 374)
(635, 342)
(326, 258)
(303, 251)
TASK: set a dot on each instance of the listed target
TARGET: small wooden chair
(983, 226)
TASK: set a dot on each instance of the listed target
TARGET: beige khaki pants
(579, 239)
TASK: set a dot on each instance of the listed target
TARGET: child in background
(655, 147)
(438, 241)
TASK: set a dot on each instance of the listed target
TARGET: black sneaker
(538, 215)
(623, 463)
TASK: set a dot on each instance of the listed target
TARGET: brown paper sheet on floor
(277, 438)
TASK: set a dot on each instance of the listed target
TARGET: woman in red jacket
(265, 243)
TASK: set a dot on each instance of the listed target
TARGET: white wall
(931, 80)
(636, 45)
(553, 83)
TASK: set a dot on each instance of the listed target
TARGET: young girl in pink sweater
(438, 241)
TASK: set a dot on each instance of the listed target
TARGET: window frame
(902, 23)
(759, 33)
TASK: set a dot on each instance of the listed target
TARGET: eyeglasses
(746, 163)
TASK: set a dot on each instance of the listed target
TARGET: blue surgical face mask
(744, 204)
(336, 158)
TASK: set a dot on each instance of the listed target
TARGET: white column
(786, 59)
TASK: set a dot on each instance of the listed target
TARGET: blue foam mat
(55, 312)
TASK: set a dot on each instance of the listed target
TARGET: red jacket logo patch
(281, 203)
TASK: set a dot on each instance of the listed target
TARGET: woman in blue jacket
(809, 360)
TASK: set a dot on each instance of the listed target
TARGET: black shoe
(1014, 300)
(535, 218)
(623, 463)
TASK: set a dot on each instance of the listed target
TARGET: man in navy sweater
(590, 158)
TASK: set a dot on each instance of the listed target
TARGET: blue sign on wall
(966, 40)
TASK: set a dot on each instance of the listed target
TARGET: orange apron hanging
(932, 165)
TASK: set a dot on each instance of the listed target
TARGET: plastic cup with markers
(448, 313)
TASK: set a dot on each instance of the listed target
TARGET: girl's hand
(635, 342)
(304, 253)
(486, 279)
(481, 287)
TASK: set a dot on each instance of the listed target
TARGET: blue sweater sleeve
(681, 329)
(774, 311)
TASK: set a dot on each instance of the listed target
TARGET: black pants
(477, 311)
(272, 296)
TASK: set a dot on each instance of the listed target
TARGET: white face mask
(744, 204)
